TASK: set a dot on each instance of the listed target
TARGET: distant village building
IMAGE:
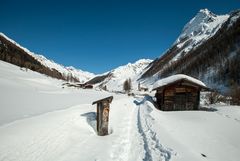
(178, 92)
(88, 86)
(84, 85)
(78, 85)
(81, 85)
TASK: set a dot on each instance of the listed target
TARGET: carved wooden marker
(103, 115)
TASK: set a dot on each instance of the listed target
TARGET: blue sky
(98, 36)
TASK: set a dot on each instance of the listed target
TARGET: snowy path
(137, 140)
(121, 145)
(153, 150)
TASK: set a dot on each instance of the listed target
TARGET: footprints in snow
(146, 137)
(227, 116)
(237, 120)
(153, 149)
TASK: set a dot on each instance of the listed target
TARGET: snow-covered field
(200, 135)
(41, 121)
(27, 93)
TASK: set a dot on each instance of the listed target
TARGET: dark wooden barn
(178, 92)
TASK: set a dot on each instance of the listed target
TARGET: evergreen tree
(127, 85)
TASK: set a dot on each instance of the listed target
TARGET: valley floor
(41, 121)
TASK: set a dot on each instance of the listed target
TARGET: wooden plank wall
(177, 97)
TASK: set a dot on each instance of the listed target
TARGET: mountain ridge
(65, 73)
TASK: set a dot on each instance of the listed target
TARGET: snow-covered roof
(175, 78)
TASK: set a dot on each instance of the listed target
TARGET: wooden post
(103, 108)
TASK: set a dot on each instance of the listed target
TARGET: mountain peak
(198, 23)
(205, 16)
(204, 24)
(140, 61)
(206, 12)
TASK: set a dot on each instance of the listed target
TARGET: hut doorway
(180, 101)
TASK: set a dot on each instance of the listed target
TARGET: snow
(40, 120)
(24, 89)
(65, 135)
(234, 18)
(189, 134)
(174, 78)
(82, 76)
(200, 28)
(120, 74)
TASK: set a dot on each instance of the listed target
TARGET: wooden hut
(178, 92)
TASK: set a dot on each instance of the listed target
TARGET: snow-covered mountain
(207, 49)
(67, 73)
(200, 28)
(114, 79)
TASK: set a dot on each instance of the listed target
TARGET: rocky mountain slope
(208, 48)
(12, 52)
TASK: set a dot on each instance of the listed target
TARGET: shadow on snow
(91, 119)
